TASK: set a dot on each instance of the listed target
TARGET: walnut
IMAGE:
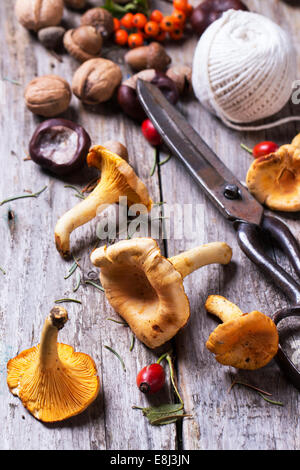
(83, 43)
(96, 80)
(76, 4)
(48, 95)
(101, 19)
(37, 14)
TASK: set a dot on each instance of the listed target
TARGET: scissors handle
(288, 367)
(250, 241)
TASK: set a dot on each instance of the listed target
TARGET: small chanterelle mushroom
(146, 288)
(244, 340)
(275, 178)
(53, 381)
(118, 179)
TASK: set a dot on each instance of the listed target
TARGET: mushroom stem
(189, 261)
(55, 321)
(222, 308)
(82, 213)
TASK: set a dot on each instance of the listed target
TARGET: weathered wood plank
(35, 271)
(241, 419)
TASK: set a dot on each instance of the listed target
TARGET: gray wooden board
(35, 277)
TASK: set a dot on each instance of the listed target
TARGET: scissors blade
(202, 163)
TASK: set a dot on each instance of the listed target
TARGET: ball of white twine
(244, 68)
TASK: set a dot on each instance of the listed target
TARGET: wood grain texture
(35, 276)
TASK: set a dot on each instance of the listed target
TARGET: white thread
(243, 70)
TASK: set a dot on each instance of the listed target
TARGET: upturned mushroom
(244, 340)
(118, 179)
(53, 381)
(274, 180)
(146, 288)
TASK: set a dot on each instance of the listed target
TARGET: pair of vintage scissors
(234, 202)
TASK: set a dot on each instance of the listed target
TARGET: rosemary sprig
(165, 161)
(116, 354)
(117, 321)
(23, 196)
(278, 403)
(59, 301)
(78, 192)
(95, 285)
(262, 393)
(10, 80)
(73, 268)
(132, 343)
(154, 162)
(2, 270)
(78, 281)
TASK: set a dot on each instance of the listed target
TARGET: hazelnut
(51, 37)
(48, 95)
(127, 95)
(76, 4)
(96, 80)
(116, 147)
(101, 19)
(182, 77)
(83, 43)
(153, 56)
(37, 14)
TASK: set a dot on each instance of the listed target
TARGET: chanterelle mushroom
(117, 179)
(245, 341)
(146, 288)
(53, 381)
(275, 178)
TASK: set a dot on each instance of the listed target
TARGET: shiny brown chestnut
(210, 10)
(127, 95)
(60, 146)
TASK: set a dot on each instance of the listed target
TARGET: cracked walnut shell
(83, 43)
(38, 14)
(48, 95)
(96, 80)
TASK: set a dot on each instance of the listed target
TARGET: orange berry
(177, 33)
(179, 17)
(167, 24)
(135, 40)
(189, 10)
(139, 20)
(152, 29)
(156, 16)
(126, 21)
(180, 5)
(121, 37)
(161, 36)
(117, 24)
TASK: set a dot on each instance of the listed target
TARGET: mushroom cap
(120, 177)
(274, 179)
(54, 394)
(246, 342)
(144, 288)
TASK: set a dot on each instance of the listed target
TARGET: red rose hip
(150, 133)
(151, 378)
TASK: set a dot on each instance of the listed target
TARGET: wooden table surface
(35, 273)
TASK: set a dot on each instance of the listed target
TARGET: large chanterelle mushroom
(243, 340)
(53, 381)
(146, 288)
(118, 179)
(275, 178)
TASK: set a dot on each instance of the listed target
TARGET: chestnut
(210, 10)
(127, 95)
(59, 145)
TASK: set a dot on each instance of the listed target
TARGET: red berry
(150, 133)
(151, 378)
(264, 148)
